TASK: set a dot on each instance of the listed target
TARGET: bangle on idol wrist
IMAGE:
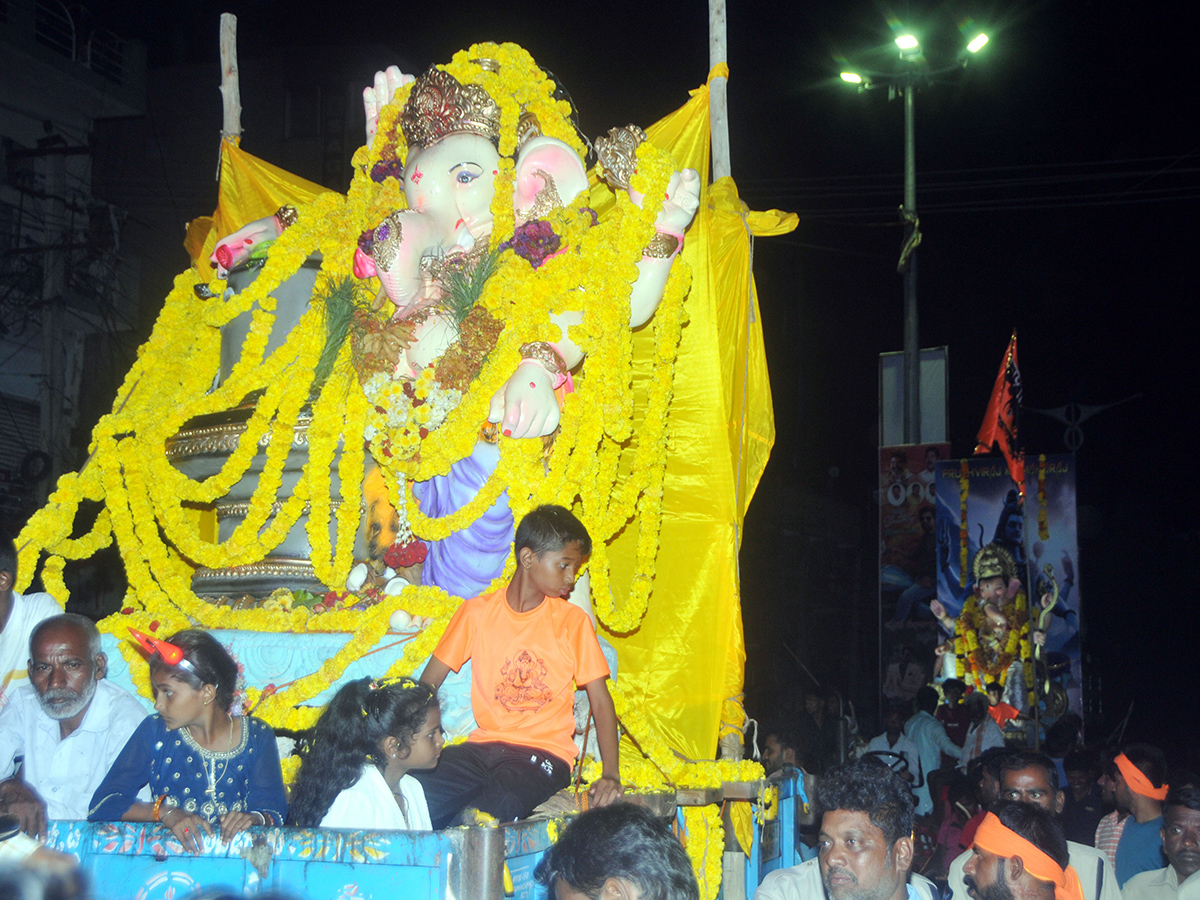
(664, 245)
(544, 355)
(286, 216)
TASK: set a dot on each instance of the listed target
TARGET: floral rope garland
(609, 474)
(705, 845)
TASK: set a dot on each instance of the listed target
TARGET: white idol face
(453, 181)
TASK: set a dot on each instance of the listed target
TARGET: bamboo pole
(231, 95)
(718, 107)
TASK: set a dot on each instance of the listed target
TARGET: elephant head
(449, 175)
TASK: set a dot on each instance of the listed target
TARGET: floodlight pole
(912, 346)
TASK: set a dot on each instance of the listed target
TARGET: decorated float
(324, 444)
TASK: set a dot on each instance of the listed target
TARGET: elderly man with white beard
(68, 723)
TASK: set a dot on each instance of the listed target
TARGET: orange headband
(1137, 781)
(994, 837)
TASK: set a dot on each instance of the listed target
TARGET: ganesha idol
(451, 155)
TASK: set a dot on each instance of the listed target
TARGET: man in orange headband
(1020, 854)
(1032, 778)
(1141, 789)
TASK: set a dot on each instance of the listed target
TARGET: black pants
(506, 780)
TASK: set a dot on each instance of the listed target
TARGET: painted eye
(465, 177)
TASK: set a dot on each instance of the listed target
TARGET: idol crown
(440, 106)
(994, 561)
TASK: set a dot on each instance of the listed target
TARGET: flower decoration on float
(416, 425)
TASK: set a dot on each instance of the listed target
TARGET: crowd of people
(1108, 821)
(937, 806)
(75, 746)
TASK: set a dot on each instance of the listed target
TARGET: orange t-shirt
(524, 668)
(1002, 712)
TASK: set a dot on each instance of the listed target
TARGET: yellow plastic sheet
(250, 189)
(687, 658)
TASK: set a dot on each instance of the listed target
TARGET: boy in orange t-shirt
(529, 649)
(1000, 711)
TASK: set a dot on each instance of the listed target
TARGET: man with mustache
(1032, 778)
(1020, 854)
(865, 848)
(68, 723)
(1181, 843)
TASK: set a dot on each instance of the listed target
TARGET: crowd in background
(960, 753)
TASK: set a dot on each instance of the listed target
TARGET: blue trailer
(134, 861)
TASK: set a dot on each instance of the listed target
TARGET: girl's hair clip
(167, 652)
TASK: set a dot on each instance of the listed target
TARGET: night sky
(1057, 184)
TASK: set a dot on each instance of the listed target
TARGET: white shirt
(1161, 884)
(803, 882)
(27, 611)
(66, 772)
(981, 737)
(1083, 859)
(369, 805)
(904, 747)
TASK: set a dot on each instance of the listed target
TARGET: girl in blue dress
(203, 766)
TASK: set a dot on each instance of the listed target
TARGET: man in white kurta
(865, 847)
(68, 724)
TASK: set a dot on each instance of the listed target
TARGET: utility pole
(908, 265)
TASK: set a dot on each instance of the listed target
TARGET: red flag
(1000, 420)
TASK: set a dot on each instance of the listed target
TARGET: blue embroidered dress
(209, 783)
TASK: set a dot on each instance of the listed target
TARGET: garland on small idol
(971, 659)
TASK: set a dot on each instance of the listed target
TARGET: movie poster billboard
(907, 565)
(978, 504)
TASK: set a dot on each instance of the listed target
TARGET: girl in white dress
(355, 773)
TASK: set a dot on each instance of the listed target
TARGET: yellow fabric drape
(688, 656)
(250, 188)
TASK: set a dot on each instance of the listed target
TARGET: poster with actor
(908, 564)
(998, 557)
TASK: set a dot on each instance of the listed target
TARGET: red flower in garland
(401, 556)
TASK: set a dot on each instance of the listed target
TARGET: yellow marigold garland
(969, 660)
(143, 492)
(705, 846)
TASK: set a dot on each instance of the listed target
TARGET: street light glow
(977, 44)
(852, 77)
(906, 42)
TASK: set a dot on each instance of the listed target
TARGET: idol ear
(549, 174)
(1013, 586)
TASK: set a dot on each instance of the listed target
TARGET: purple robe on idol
(466, 563)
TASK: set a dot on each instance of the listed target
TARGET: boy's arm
(607, 788)
(436, 671)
